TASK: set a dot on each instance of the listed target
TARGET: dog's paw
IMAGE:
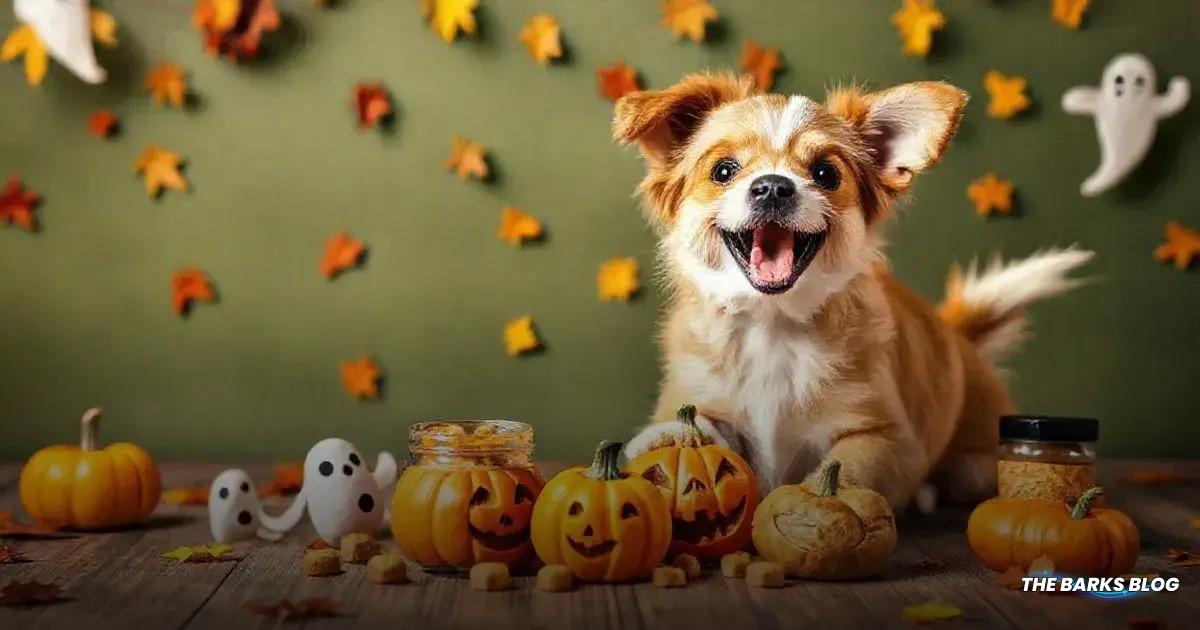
(662, 434)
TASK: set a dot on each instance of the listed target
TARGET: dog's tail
(988, 306)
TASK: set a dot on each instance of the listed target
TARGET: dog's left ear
(906, 128)
(662, 121)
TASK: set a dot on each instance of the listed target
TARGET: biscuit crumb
(489, 576)
(321, 562)
(387, 568)
(734, 565)
(555, 578)
(765, 574)
(689, 563)
(358, 548)
(669, 577)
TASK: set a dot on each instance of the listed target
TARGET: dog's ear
(906, 128)
(662, 121)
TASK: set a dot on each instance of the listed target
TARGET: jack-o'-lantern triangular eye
(694, 485)
(655, 475)
(480, 497)
(523, 494)
(628, 510)
(725, 469)
(576, 509)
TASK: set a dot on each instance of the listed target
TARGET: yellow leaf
(198, 553)
(466, 159)
(517, 226)
(23, 39)
(447, 17)
(617, 279)
(166, 83)
(1069, 13)
(915, 22)
(542, 38)
(519, 336)
(687, 17)
(160, 169)
(991, 194)
(361, 378)
(217, 550)
(182, 553)
(104, 27)
(1006, 94)
(930, 612)
(35, 63)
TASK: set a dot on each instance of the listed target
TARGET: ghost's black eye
(1120, 80)
(223, 493)
(826, 175)
(347, 470)
(355, 460)
(245, 487)
(1140, 81)
(326, 469)
(724, 170)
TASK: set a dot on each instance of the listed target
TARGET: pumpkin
(826, 532)
(1081, 540)
(603, 523)
(88, 487)
(461, 517)
(711, 491)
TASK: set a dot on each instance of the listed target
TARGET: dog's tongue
(771, 256)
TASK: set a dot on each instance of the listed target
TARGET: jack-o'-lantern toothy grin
(704, 528)
(499, 542)
(594, 550)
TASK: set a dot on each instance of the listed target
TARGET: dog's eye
(724, 170)
(826, 175)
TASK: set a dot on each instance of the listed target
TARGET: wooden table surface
(119, 580)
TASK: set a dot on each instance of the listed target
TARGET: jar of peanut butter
(1045, 457)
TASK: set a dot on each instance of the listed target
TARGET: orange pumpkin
(601, 522)
(1082, 540)
(711, 491)
(88, 487)
(459, 518)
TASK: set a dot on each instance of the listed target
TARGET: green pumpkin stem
(604, 464)
(692, 435)
(1086, 500)
(827, 478)
(89, 430)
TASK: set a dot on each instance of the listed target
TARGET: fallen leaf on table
(342, 252)
(372, 103)
(1006, 94)
(318, 543)
(289, 478)
(991, 194)
(516, 226)
(33, 593)
(104, 28)
(1182, 246)
(360, 377)
(189, 285)
(197, 495)
(1181, 558)
(467, 159)
(160, 169)
(305, 608)
(761, 63)
(24, 40)
(1069, 13)
(17, 204)
(930, 612)
(617, 80)
(10, 527)
(915, 22)
(617, 279)
(1147, 476)
(8, 555)
(200, 553)
(1013, 578)
(166, 83)
(519, 336)
(102, 123)
(235, 28)
(542, 38)
(687, 17)
(448, 17)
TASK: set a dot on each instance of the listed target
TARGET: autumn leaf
(216, 15)
(17, 204)
(104, 28)
(166, 83)
(33, 593)
(160, 169)
(761, 63)
(1013, 578)
(448, 17)
(342, 252)
(23, 40)
(306, 608)
(318, 543)
(991, 194)
(931, 612)
(1006, 95)
(687, 17)
(467, 159)
(542, 38)
(200, 553)
(102, 123)
(617, 279)
(289, 478)
(8, 555)
(517, 226)
(617, 80)
(10, 527)
(196, 495)
(1069, 13)
(915, 22)
(360, 377)
(187, 286)
(235, 28)
(1194, 523)
(1148, 476)
(1181, 558)
(519, 336)
(1182, 246)
(372, 103)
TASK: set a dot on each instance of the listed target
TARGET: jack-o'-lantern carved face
(500, 511)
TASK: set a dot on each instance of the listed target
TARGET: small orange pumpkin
(601, 522)
(711, 491)
(1082, 540)
(88, 487)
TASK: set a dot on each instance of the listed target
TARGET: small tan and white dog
(783, 325)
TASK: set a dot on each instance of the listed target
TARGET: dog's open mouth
(771, 256)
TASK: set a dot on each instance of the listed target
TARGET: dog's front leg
(661, 432)
(886, 458)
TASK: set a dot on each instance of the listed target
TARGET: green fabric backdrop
(277, 166)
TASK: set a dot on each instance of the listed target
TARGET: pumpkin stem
(89, 430)
(1085, 503)
(604, 464)
(692, 435)
(827, 478)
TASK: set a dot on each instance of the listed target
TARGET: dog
(783, 324)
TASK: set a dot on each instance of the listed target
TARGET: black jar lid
(1049, 429)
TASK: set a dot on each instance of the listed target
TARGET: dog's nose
(772, 187)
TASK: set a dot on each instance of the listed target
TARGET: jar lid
(1049, 429)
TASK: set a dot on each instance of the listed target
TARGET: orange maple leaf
(1012, 578)
(361, 377)
(373, 104)
(517, 226)
(761, 63)
(915, 22)
(1006, 94)
(617, 279)
(195, 495)
(991, 194)
(448, 17)
(687, 17)
(235, 27)
(1182, 246)
(341, 253)
(166, 82)
(10, 527)
(519, 336)
(1069, 13)
(467, 159)
(102, 123)
(542, 38)
(289, 478)
(617, 80)
(160, 169)
(189, 285)
(17, 204)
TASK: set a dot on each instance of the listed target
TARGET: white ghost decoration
(234, 512)
(341, 495)
(65, 27)
(1127, 112)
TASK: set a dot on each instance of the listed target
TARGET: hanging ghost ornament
(65, 28)
(234, 511)
(1127, 111)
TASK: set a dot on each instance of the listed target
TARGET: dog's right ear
(662, 121)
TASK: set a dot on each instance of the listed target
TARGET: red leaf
(17, 203)
(29, 594)
(102, 123)
(12, 528)
(8, 555)
(372, 103)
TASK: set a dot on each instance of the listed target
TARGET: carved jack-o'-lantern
(711, 491)
(601, 522)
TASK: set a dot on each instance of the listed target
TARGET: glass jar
(467, 495)
(1044, 457)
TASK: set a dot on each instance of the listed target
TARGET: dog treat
(358, 548)
(321, 562)
(489, 576)
(1046, 458)
(689, 563)
(765, 574)
(669, 577)
(555, 578)
(734, 565)
(387, 568)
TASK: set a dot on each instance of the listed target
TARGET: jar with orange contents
(467, 496)
(1044, 457)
